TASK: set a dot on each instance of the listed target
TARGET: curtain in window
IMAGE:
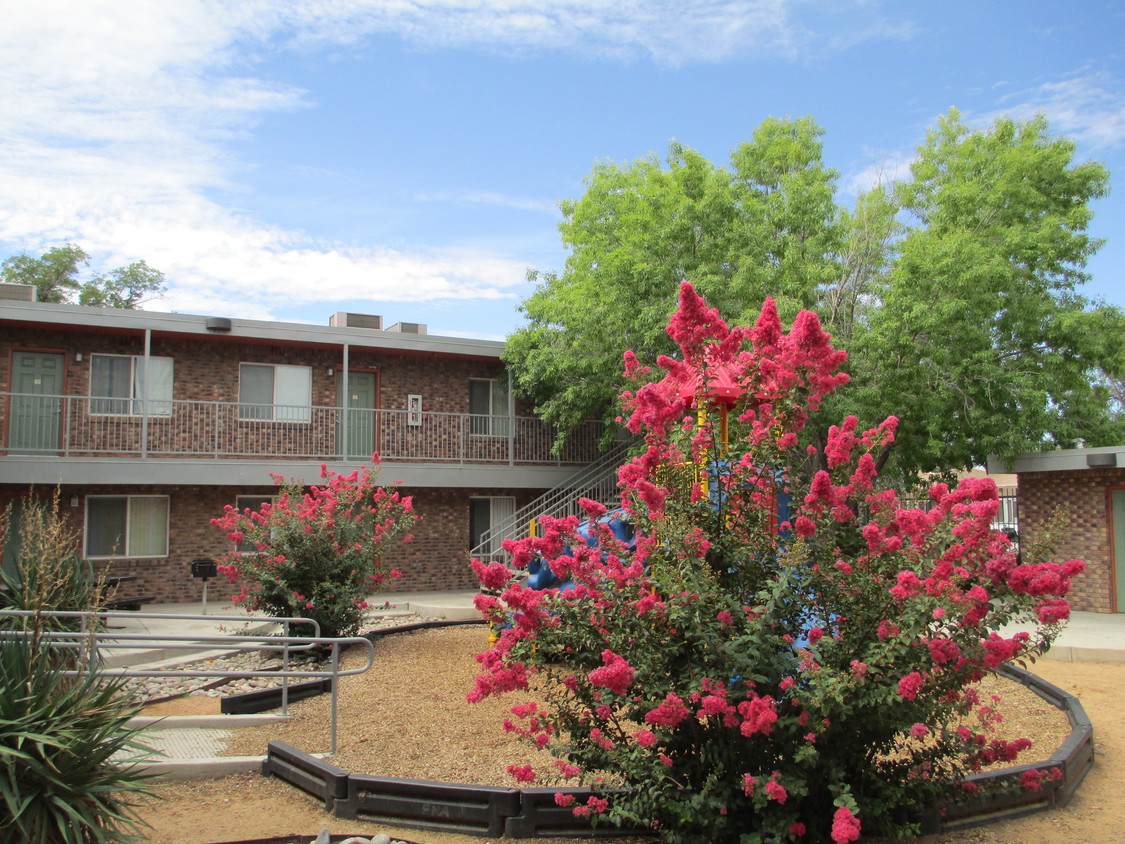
(293, 393)
(275, 392)
(488, 404)
(148, 526)
(159, 375)
(501, 423)
(105, 526)
(111, 382)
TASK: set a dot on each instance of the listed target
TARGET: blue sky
(286, 159)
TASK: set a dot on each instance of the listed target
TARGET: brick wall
(1086, 493)
(208, 370)
(436, 559)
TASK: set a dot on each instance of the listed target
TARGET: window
(117, 385)
(488, 404)
(494, 514)
(127, 526)
(282, 393)
(253, 503)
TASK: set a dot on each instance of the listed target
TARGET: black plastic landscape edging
(497, 811)
(263, 700)
(1000, 795)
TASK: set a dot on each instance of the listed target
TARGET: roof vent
(408, 328)
(20, 292)
(340, 319)
(217, 323)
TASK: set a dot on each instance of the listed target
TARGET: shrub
(60, 726)
(787, 654)
(319, 553)
(47, 572)
(58, 735)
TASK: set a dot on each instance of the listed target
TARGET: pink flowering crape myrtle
(786, 654)
(317, 552)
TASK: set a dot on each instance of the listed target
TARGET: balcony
(85, 427)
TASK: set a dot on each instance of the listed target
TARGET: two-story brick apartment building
(149, 423)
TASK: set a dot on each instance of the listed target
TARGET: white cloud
(1088, 106)
(118, 117)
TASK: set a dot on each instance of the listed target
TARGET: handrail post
(285, 671)
(335, 694)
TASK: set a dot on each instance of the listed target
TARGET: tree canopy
(955, 291)
(56, 276)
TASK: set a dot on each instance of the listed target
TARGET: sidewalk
(1086, 637)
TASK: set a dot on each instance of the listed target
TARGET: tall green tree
(56, 277)
(765, 226)
(956, 292)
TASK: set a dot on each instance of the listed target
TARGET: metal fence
(78, 426)
(1007, 518)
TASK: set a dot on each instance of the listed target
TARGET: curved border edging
(1001, 796)
(532, 813)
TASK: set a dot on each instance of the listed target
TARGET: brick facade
(1086, 493)
(205, 385)
(435, 560)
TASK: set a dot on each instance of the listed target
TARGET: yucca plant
(59, 781)
(61, 725)
(47, 572)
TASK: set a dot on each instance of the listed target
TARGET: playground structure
(720, 394)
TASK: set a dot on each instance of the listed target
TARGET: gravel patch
(173, 684)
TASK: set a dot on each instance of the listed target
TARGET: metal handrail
(82, 426)
(99, 640)
(597, 481)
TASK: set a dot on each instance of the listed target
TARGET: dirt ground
(406, 717)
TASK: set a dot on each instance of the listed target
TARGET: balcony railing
(80, 426)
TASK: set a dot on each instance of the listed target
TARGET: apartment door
(490, 515)
(1117, 520)
(360, 413)
(36, 408)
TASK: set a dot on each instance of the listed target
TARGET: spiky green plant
(61, 725)
(48, 572)
(59, 781)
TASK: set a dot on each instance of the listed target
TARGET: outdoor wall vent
(217, 323)
(408, 328)
(341, 319)
(1100, 461)
(20, 292)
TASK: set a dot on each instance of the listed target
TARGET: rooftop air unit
(20, 292)
(408, 328)
(340, 319)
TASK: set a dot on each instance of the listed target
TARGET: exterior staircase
(597, 481)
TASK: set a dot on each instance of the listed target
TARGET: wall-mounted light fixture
(331, 372)
(78, 357)
(74, 501)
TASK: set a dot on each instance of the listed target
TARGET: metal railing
(1007, 517)
(597, 482)
(91, 641)
(78, 426)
